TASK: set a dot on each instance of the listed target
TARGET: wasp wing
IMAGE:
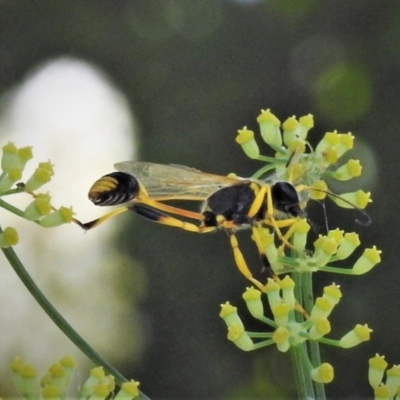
(174, 182)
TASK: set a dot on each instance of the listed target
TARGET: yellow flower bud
(359, 199)
(14, 158)
(321, 309)
(320, 328)
(269, 127)
(350, 170)
(393, 379)
(9, 237)
(51, 392)
(281, 313)
(330, 139)
(367, 261)
(246, 139)
(382, 392)
(38, 208)
(325, 248)
(318, 190)
(281, 338)
(229, 315)
(252, 297)
(306, 122)
(350, 242)
(300, 232)
(346, 142)
(101, 390)
(129, 390)
(237, 335)
(61, 216)
(377, 366)
(332, 293)
(361, 333)
(41, 176)
(272, 289)
(323, 374)
(287, 285)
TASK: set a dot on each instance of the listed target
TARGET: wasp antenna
(368, 219)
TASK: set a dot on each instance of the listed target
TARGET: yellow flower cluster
(287, 331)
(40, 210)
(54, 383)
(384, 389)
(288, 249)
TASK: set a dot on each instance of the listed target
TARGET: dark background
(195, 73)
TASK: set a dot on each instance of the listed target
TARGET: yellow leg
(98, 221)
(258, 201)
(241, 262)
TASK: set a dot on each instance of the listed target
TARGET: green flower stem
(58, 319)
(309, 354)
(304, 384)
(315, 355)
(12, 209)
(262, 344)
(330, 342)
(335, 270)
(260, 334)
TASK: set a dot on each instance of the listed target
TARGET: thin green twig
(58, 319)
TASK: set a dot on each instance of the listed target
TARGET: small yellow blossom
(229, 315)
(322, 308)
(393, 379)
(287, 285)
(237, 335)
(272, 289)
(129, 390)
(323, 374)
(51, 392)
(281, 313)
(367, 261)
(359, 199)
(349, 243)
(382, 392)
(246, 139)
(320, 328)
(61, 216)
(350, 170)
(360, 333)
(9, 237)
(269, 128)
(281, 338)
(318, 190)
(377, 367)
(252, 297)
(41, 176)
(332, 293)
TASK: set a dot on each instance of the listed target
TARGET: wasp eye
(113, 189)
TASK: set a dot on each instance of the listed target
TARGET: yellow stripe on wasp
(228, 203)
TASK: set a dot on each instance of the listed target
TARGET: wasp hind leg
(155, 215)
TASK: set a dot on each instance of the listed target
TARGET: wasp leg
(241, 262)
(98, 221)
(266, 265)
(147, 201)
(156, 216)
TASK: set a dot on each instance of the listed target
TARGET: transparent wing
(169, 182)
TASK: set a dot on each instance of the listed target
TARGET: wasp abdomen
(113, 189)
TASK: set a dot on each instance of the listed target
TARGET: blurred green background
(194, 72)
